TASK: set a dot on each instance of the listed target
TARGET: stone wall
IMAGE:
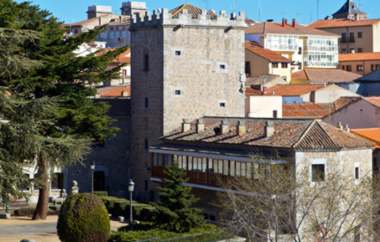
(195, 69)
(111, 158)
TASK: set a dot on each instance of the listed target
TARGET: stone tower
(184, 66)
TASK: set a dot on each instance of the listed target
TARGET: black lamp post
(131, 188)
(92, 167)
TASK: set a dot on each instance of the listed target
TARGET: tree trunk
(41, 211)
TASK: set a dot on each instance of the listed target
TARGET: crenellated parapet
(163, 17)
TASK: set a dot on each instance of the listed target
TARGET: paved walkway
(16, 229)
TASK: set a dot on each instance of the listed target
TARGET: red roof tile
(374, 100)
(265, 53)
(114, 91)
(306, 110)
(295, 134)
(324, 75)
(277, 28)
(372, 134)
(339, 23)
(365, 56)
(314, 110)
(292, 90)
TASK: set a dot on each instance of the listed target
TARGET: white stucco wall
(263, 106)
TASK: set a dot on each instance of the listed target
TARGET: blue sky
(304, 11)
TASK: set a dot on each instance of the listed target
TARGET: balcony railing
(201, 178)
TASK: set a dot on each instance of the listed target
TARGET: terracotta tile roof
(365, 56)
(294, 134)
(292, 90)
(340, 23)
(114, 91)
(191, 9)
(124, 57)
(372, 134)
(265, 53)
(324, 75)
(315, 110)
(306, 110)
(278, 28)
(249, 91)
(374, 100)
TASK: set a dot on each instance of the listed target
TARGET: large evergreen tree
(50, 118)
(175, 211)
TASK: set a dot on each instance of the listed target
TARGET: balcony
(199, 177)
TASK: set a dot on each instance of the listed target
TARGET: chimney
(200, 126)
(348, 128)
(186, 126)
(224, 127)
(269, 129)
(340, 125)
(283, 22)
(294, 23)
(241, 128)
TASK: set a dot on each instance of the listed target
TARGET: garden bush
(120, 207)
(205, 233)
(83, 218)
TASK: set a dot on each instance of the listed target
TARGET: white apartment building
(305, 46)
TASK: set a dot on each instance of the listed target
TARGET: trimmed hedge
(120, 207)
(206, 233)
(83, 218)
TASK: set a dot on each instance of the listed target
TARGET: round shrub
(83, 218)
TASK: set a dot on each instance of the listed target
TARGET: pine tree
(175, 211)
(52, 119)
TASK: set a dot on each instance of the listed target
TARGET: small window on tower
(222, 104)
(178, 92)
(146, 63)
(222, 66)
(178, 53)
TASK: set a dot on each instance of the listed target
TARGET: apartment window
(360, 35)
(317, 172)
(352, 50)
(146, 144)
(125, 73)
(348, 68)
(372, 67)
(344, 50)
(284, 65)
(360, 68)
(343, 67)
(248, 68)
(146, 62)
(377, 67)
(146, 183)
(357, 173)
(360, 50)
(352, 37)
(178, 92)
(146, 102)
(57, 181)
(275, 114)
(178, 53)
(343, 38)
(222, 104)
(275, 65)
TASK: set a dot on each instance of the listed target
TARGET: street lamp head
(131, 186)
(93, 167)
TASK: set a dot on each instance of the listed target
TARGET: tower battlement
(163, 17)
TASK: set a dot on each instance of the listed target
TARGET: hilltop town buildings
(304, 46)
(357, 32)
(360, 63)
